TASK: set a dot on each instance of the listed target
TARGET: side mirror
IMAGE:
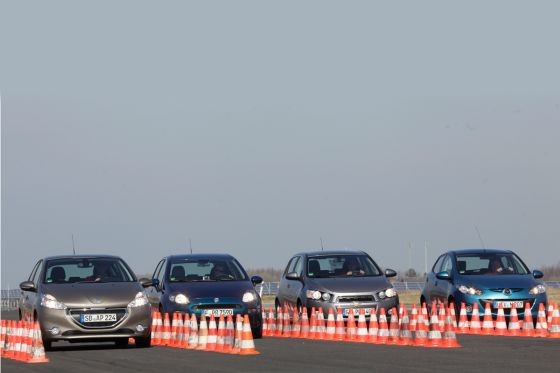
(537, 274)
(256, 280)
(390, 273)
(293, 276)
(155, 282)
(145, 282)
(443, 275)
(28, 286)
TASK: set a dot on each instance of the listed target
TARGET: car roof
(331, 252)
(81, 256)
(479, 251)
(200, 256)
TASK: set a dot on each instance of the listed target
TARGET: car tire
(47, 345)
(121, 342)
(257, 333)
(143, 342)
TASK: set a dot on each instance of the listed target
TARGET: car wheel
(257, 333)
(276, 306)
(121, 342)
(299, 308)
(47, 345)
(143, 342)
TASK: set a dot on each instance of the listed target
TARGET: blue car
(483, 276)
(206, 284)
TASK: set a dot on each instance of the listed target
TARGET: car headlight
(49, 301)
(179, 298)
(388, 293)
(139, 300)
(539, 289)
(248, 297)
(469, 290)
(317, 295)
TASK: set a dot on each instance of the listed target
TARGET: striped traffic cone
(541, 329)
(321, 328)
(313, 325)
(475, 327)
(351, 326)
(286, 327)
(331, 326)
(264, 323)
(373, 327)
(383, 331)
(166, 336)
(554, 331)
(155, 333)
(487, 322)
(37, 350)
(271, 321)
(2, 336)
(501, 326)
(451, 311)
(221, 335)
(394, 328)
(528, 327)
(238, 335)
(550, 312)
(229, 336)
(514, 327)
(193, 333)
(202, 333)
(441, 316)
(405, 335)
(212, 335)
(340, 330)
(421, 334)
(434, 335)
(296, 325)
(413, 318)
(449, 336)
(304, 324)
(173, 340)
(463, 325)
(279, 321)
(362, 332)
(247, 343)
(185, 332)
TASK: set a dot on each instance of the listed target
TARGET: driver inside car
(219, 272)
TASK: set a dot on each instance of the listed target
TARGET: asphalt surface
(485, 353)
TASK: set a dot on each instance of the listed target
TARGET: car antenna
(480, 237)
(190, 244)
(73, 245)
(321, 238)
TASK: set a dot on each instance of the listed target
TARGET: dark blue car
(206, 284)
(484, 276)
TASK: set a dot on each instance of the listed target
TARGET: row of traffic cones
(187, 332)
(545, 327)
(400, 329)
(22, 341)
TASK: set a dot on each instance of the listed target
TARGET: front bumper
(483, 299)
(58, 325)
(388, 304)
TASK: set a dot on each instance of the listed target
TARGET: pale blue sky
(255, 128)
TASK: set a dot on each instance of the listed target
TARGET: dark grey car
(86, 299)
(336, 280)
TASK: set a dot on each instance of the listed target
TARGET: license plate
(98, 317)
(346, 311)
(508, 304)
(219, 312)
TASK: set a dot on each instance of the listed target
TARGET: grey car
(336, 280)
(86, 298)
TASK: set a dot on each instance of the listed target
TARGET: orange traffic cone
(441, 316)
(264, 323)
(421, 334)
(2, 336)
(173, 338)
(166, 335)
(296, 325)
(321, 328)
(487, 322)
(185, 331)
(21, 354)
(331, 326)
(17, 343)
(475, 325)
(313, 324)
(463, 325)
(541, 329)
(383, 331)
(394, 328)
(238, 335)
(304, 324)
(554, 331)
(212, 335)
(202, 333)
(247, 343)
(514, 327)
(340, 330)
(286, 327)
(155, 332)
(37, 350)
(279, 321)
(221, 336)
(405, 335)
(434, 336)
(528, 327)
(362, 332)
(373, 327)
(501, 325)
(449, 336)
(413, 318)
(193, 333)
(550, 312)
(229, 336)
(351, 326)
(451, 311)
(271, 323)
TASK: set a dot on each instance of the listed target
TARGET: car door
(430, 291)
(29, 298)
(285, 284)
(154, 291)
(295, 286)
(445, 286)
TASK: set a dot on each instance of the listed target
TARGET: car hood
(207, 289)
(499, 281)
(82, 295)
(349, 284)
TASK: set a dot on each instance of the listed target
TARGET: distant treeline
(268, 274)
(551, 272)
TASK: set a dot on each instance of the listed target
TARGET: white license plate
(508, 304)
(346, 311)
(98, 317)
(219, 312)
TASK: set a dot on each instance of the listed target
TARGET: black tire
(47, 345)
(143, 342)
(257, 333)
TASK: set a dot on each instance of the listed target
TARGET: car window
(37, 273)
(291, 265)
(341, 265)
(438, 263)
(211, 269)
(34, 271)
(298, 268)
(158, 271)
(94, 269)
(495, 264)
(447, 264)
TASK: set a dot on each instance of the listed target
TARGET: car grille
(215, 306)
(75, 314)
(501, 290)
(356, 298)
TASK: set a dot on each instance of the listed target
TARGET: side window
(161, 272)
(290, 265)
(298, 268)
(158, 269)
(447, 265)
(34, 276)
(437, 266)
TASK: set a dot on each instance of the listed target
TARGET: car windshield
(490, 264)
(73, 270)
(189, 270)
(341, 266)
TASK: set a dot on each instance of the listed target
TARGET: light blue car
(482, 276)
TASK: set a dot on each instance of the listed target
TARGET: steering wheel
(224, 277)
